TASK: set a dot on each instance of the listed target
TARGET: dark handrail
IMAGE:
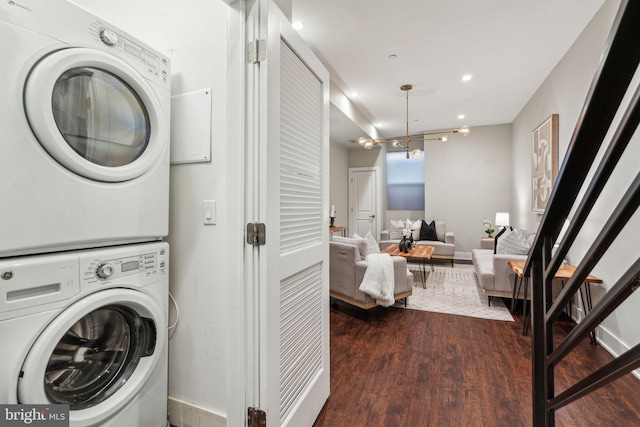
(611, 81)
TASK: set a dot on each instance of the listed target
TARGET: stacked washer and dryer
(84, 193)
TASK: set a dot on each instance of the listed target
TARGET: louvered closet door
(293, 198)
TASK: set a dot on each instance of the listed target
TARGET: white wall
(564, 92)
(194, 33)
(468, 180)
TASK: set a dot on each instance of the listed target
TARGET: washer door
(95, 115)
(96, 355)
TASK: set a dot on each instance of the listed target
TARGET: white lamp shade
(502, 219)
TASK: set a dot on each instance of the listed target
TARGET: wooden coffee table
(419, 254)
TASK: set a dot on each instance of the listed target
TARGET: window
(405, 182)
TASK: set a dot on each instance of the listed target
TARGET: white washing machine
(88, 329)
(84, 119)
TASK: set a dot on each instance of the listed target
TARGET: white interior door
(289, 287)
(363, 201)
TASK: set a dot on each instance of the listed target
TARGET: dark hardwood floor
(415, 368)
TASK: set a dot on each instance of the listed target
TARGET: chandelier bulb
(362, 140)
(416, 154)
(395, 143)
(444, 139)
(368, 145)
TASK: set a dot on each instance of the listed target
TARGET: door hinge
(256, 233)
(256, 51)
(256, 417)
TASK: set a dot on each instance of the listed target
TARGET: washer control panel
(134, 265)
(109, 269)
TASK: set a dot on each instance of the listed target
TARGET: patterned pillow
(395, 229)
(513, 242)
(372, 245)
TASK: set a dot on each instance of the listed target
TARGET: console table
(563, 274)
(338, 228)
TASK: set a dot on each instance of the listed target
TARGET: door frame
(379, 222)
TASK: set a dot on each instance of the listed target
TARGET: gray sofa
(347, 268)
(444, 247)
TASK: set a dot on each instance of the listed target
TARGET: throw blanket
(378, 279)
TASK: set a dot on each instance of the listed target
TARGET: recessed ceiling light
(461, 116)
(466, 77)
(354, 94)
(297, 25)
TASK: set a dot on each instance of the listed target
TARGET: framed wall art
(544, 162)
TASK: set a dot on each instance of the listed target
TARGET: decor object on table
(332, 216)
(406, 243)
(544, 162)
(488, 228)
(369, 143)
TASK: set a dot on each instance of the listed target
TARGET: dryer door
(96, 355)
(95, 115)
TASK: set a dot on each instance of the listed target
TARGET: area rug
(453, 291)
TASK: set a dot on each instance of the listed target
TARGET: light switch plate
(209, 212)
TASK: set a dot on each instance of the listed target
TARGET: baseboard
(185, 414)
(605, 338)
(462, 256)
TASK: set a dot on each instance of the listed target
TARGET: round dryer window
(95, 115)
(100, 116)
(96, 355)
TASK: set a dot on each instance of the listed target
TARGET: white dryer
(88, 329)
(84, 147)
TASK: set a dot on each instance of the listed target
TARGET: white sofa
(347, 268)
(444, 247)
(495, 276)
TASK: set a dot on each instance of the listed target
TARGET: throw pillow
(361, 244)
(428, 231)
(372, 245)
(440, 230)
(514, 243)
(395, 229)
(415, 227)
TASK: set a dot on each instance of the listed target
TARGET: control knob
(108, 37)
(104, 271)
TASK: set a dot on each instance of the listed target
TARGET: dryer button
(108, 37)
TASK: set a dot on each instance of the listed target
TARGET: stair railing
(611, 81)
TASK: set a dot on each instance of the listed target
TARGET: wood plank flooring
(413, 368)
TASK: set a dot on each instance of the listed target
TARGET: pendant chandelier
(395, 141)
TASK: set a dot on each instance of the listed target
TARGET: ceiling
(508, 47)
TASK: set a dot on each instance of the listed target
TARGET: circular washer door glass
(100, 116)
(97, 355)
